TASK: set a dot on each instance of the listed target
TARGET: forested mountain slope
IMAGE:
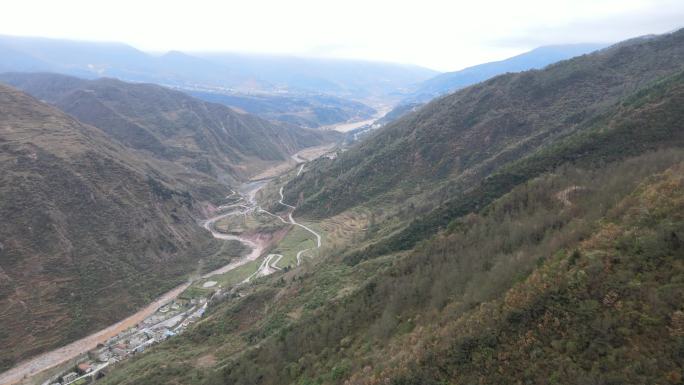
(534, 59)
(171, 125)
(90, 230)
(463, 137)
(573, 277)
(562, 264)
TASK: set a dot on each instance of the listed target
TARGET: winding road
(292, 221)
(257, 247)
(51, 359)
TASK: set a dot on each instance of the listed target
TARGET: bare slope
(90, 230)
(171, 125)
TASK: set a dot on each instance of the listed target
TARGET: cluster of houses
(169, 320)
(82, 373)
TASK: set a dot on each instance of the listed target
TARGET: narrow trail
(275, 263)
(267, 267)
(300, 253)
(281, 199)
(251, 205)
(298, 160)
(564, 195)
(292, 221)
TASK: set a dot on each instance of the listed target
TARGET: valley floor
(348, 126)
(242, 203)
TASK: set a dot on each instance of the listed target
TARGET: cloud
(328, 50)
(665, 16)
(440, 34)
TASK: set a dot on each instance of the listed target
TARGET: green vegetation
(237, 275)
(100, 214)
(357, 321)
(240, 224)
(195, 291)
(228, 251)
(642, 123)
(528, 229)
(454, 143)
(599, 314)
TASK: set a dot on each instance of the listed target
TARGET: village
(169, 320)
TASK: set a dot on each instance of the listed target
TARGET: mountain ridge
(239, 72)
(83, 215)
(534, 59)
(306, 110)
(526, 228)
(171, 125)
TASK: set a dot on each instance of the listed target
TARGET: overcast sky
(443, 35)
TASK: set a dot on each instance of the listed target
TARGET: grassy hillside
(171, 125)
(599, 311)
(90, 231)
(645, 121)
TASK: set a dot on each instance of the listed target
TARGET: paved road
(257, 246)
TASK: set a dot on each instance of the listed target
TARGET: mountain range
(467, 135)
(219, 71)
(90, 228)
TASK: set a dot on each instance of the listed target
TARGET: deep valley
(241, 218)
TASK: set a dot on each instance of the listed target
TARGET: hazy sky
(444, 35)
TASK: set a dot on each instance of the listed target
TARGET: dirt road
(55, 357)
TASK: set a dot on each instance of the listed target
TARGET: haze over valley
(418, 194)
